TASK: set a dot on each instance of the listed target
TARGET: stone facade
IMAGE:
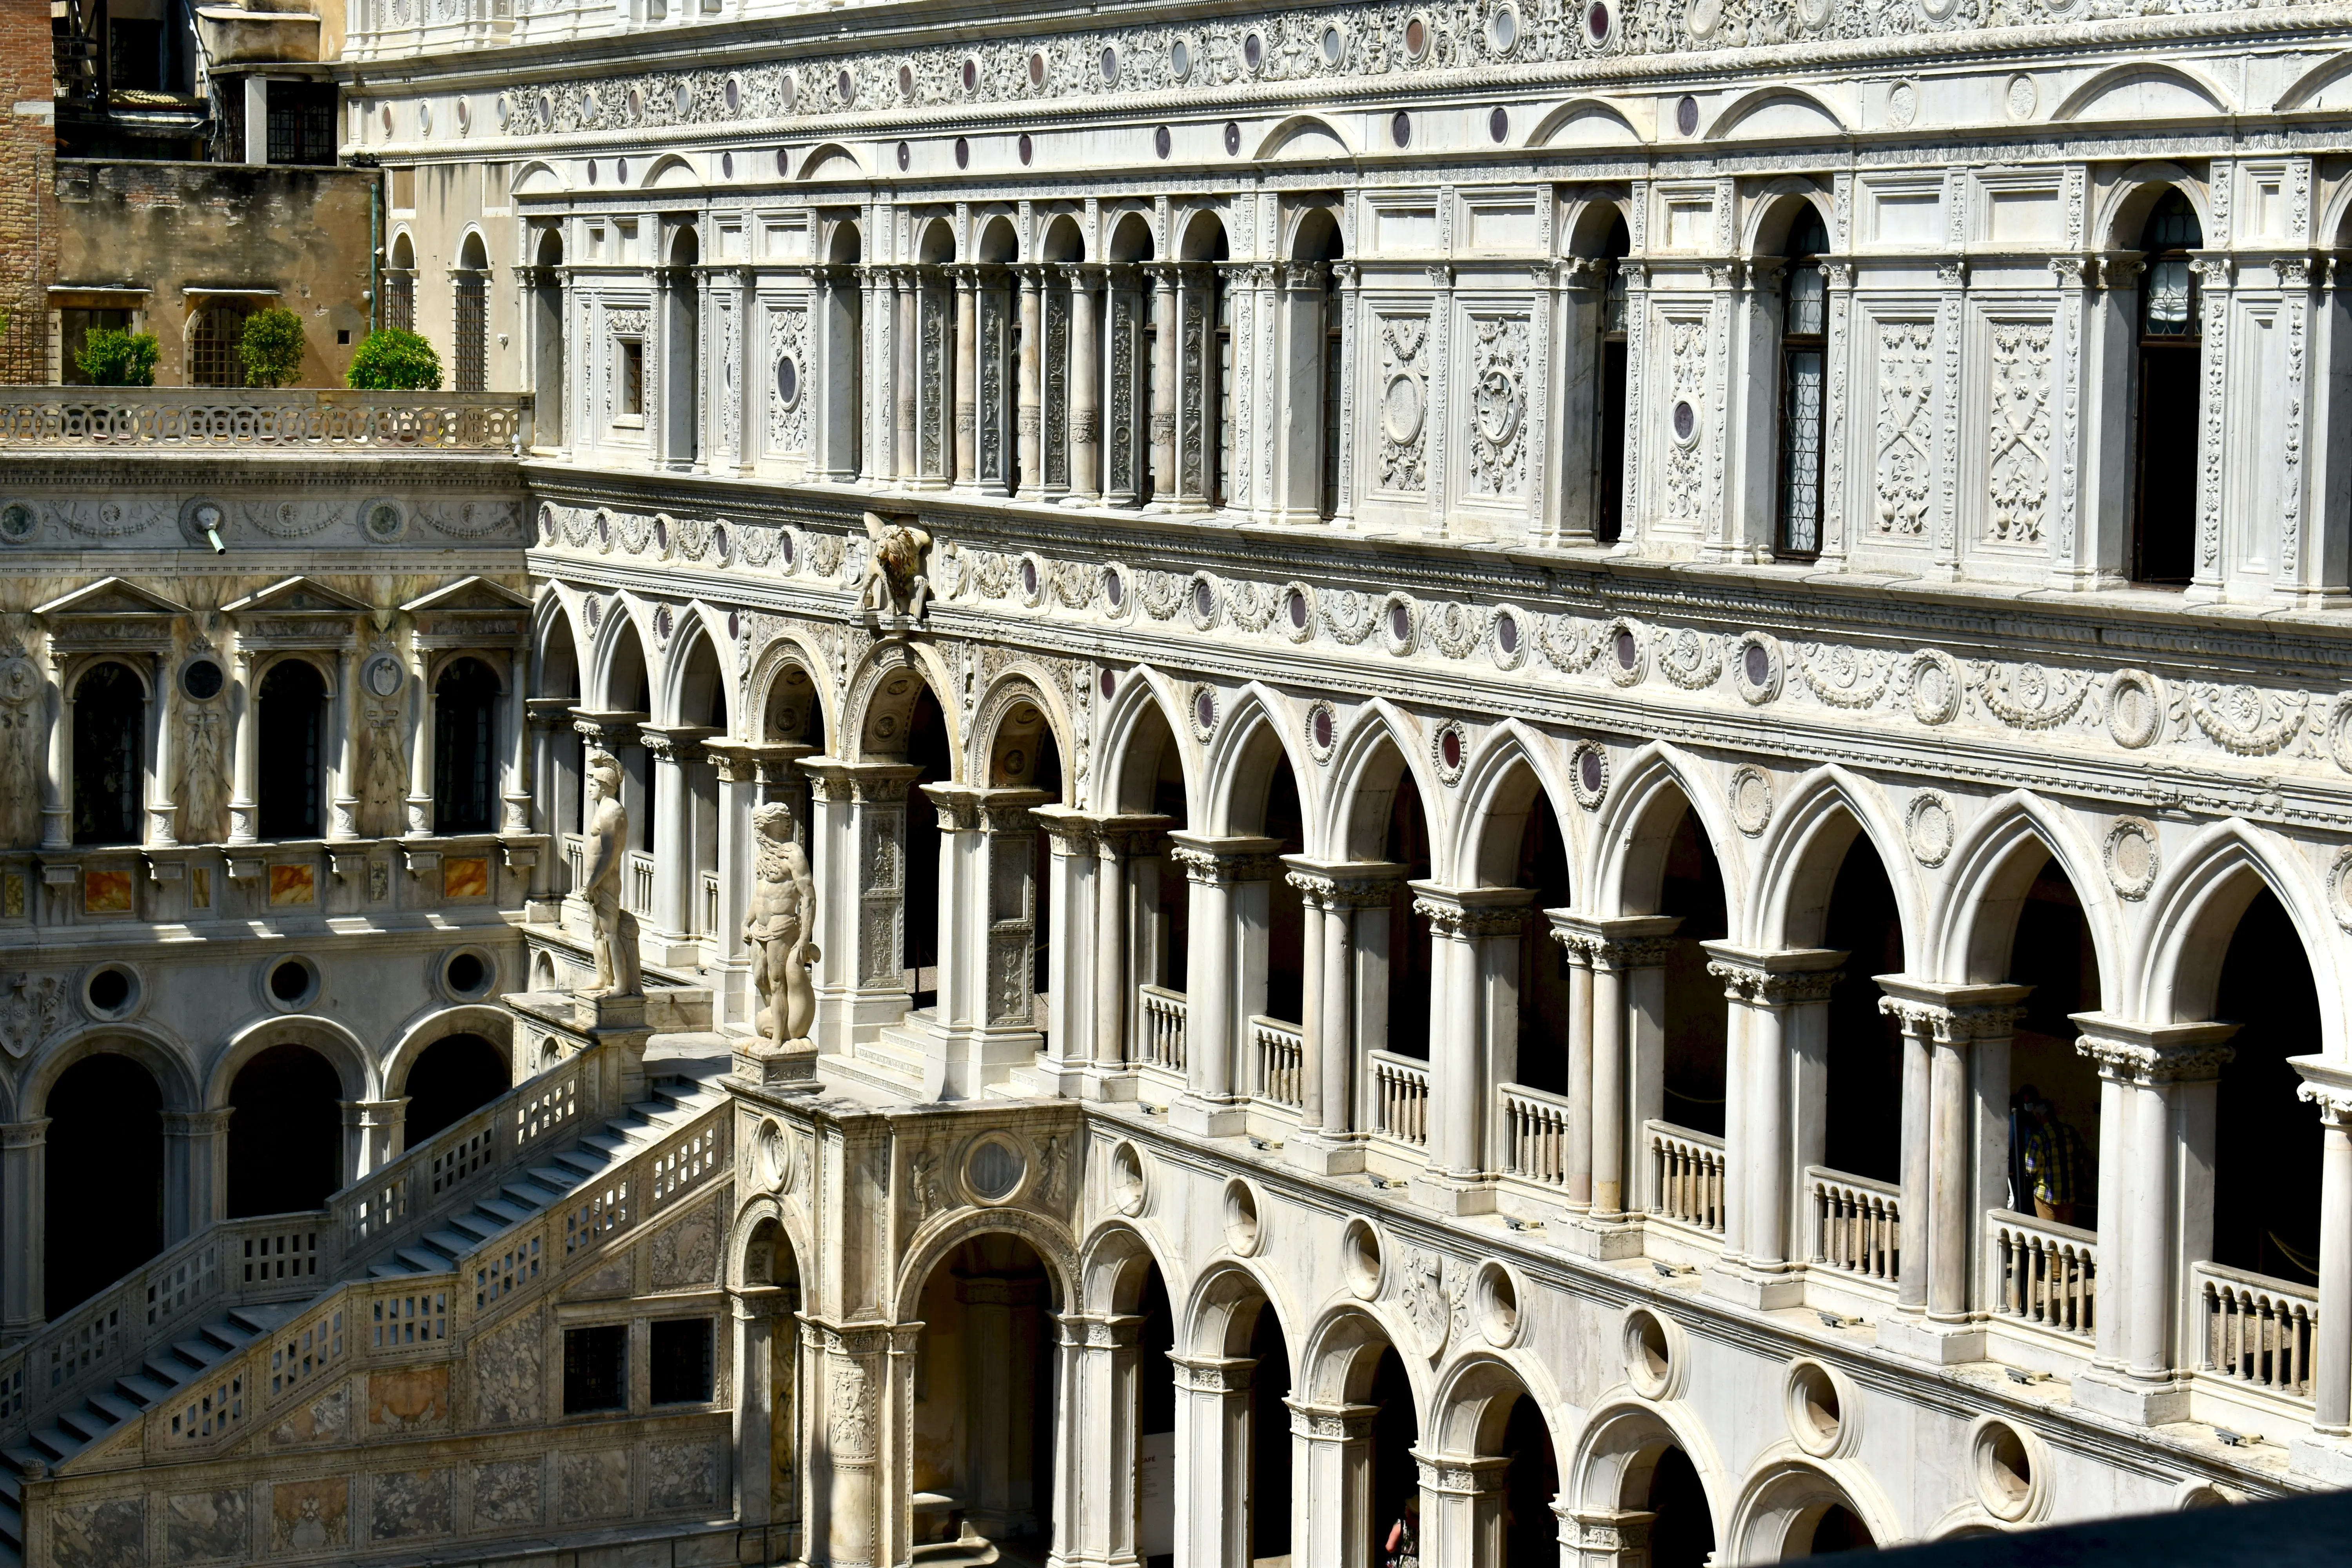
(1615, 820)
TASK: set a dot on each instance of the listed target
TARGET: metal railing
(1535, 1134)
(1276, 1056)
(1400, 1097)
(2255, 1330)
(304, 419)
(1687, 1167)
(1858, 1224)
(2044, 1273)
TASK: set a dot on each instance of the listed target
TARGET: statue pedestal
(779, 1070)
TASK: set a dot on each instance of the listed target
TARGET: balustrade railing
(1276, 1054)
(1163, 1041)
(1687, 1167)
(2255, 1330)
(1858, 1224)
(641, 884)
(575, 861)
(1535, 1134)
(2043, 1272)
(1400, 1097)
(305, 419)
(281, 1257)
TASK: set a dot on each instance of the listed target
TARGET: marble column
(162, 704)
(245, 746)
(1086, 386)
(1165, 333)
(1096, 1497)
(2156, 1131)
(1225, 971)
(514, 748)
(966, 378)
(1029, 475)
(907, 291)
(674, 749)
(857, 839)
(1779, 1004)
(343, 804)
(196, 1171)
(1461, 1509)
(1616, 1054)
(1338, 897)
(1473, 1017)
(2328, 1085)
(57, 781)
(1212, 1461)
(371, 1134)
(1331, 1519)
(1603, 1538)
(420, 748)
(24, 1217)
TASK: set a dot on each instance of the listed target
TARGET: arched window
(1804, 327)
(293, 701)
(110, 705)
(465, 701)
(547, 325)
(400, 286)
(471, 330)
(1609, 406)
(2171, 342)
(212, 345)
(681, 352)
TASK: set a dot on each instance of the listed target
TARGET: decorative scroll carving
(2018, 454)
(1499, 406)
(1906, 392)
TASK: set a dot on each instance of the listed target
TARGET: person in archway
(2049, 1157)
(1402, 1547)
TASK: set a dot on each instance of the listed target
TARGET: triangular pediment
(469, 593)
(297, 595)
(111, 597)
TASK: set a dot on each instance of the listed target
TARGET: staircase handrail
(343, 1326)
(110, 1333)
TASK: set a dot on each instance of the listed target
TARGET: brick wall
(27, 213)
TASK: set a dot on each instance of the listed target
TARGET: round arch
(881, 697)
(1004, 745)
(1342, 1350)
(777, 707)
(2125, 207)
(1786, 1497)
(495, 1024)
(1776, 205)
(1113, 1262)
(1223, 1307)
(162, 1054)
(342, 1049)
(950, 1230)
(764, 1209)
(1586, 226)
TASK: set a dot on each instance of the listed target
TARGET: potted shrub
(391, 360)
(271, 347)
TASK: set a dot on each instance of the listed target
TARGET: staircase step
(12, 1490)
(504, 1212)
(197, 1354)
(56, 1444)
(528, 1196)
(227, 1335)
(88, 1424)
(390, 1270)
(451, 1242)
(584, 1162)
(22, 1456)
(607, 1142)
(168, 1372)
(267, 1318)
(425, 1261)
(113, 1407)
(142, 1389)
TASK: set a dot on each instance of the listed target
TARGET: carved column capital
(2152, 1054)
(1775, 979)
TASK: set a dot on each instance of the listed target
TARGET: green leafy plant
(391, 360)
(112, 357)
(271, 347)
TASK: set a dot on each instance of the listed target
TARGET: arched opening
(103, 1187)
(928, 751)
(1396, 1473)
(470, 319)
(984, 1398)
(547, 339)
(1542, 982)
(286, 1133)
(1609, 403)
(999, 349)
(1863, 1117)
(1683, 1534)
(2171, 341)
(563, 754)
(2053, 1089)
(452, 1077)
(1269, 1441)
(1024, 755)
(701, 703)
(1317, 332)
(1204, 357)
(1835, 1529)
(465, 750)
(1150, 783)
(109, 709)
(936, 370)
(1155, 1424)
(1406, 948)
(213, 359)
(629, 689)
(770, 1382)
(1804, 355)
(1271, 915)
(793, 714)
(1690, 887)
(293, 708)
(1128, 362)
(400, 286)
(1068, 366)
(682, 353)
(1531, 1482)
(842, 458)
(2266, 1152)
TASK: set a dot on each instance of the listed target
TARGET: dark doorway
(1269, 1448)
(1530, 1530)
(286, 1139)
(1691, 889)
(2267, 1145)
(465, 702)
(1684, 1533)
(454, 1077)
(1409, 935)
(293, 703)
(2171, 343)
(104, 1190)
(1864, 1114)
(1396, 1475)
(109, 713)
(926, 749)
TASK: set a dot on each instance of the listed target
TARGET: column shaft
(1950, 1199)
(1911, 1290)
(906, 291)
(1165, 331)
(1608, 1089)
(1029, 399)
(966, 378)
(1086, 389)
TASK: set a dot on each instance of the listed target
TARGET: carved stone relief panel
(1402, 391)
(1499, 372)
(2019, 429)
(1903, 443)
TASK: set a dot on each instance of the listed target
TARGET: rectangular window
(680, 1362)
(301, 122)
(473, 332)
(404, 190)
(74, 326)
(1801, 479)
(632, 402)
(595, 1369)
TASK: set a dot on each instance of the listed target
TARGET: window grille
(473, 328)
(1804, 362)
(212, 346)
